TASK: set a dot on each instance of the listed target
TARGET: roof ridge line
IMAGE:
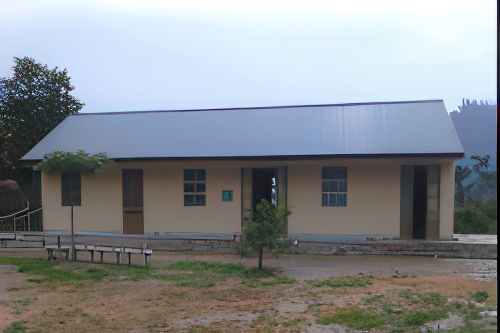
(256, 107)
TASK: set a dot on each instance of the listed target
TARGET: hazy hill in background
(476, 126)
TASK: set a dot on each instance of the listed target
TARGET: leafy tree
(461, 174)
(482, 163)
(267, 230)
(476, 218)
(32, 103)
(66, 162)
(476, 211)
(79, 162)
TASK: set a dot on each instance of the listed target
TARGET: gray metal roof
(419, 127)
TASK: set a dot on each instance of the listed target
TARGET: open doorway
(420, 201)
(264, 186)
(262, 183)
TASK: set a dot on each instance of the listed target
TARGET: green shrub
(480, 296)
(418, 318)
(472, 220)
(267, 230)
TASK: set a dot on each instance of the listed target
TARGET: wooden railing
(23, 220)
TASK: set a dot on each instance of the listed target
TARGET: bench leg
(49, 254)
(92, 255)
(129, 257)
(146, 259)
(75, 252)
(102, 256)
(117, 258)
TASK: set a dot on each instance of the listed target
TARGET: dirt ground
(157, 306)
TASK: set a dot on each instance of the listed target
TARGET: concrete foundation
(440, 249)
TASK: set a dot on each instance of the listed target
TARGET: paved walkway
(478, 239)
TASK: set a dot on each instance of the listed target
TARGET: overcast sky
(159, 55)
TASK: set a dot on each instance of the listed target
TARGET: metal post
(29, 224)
(72, 237)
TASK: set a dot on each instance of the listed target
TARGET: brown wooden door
(133, 205)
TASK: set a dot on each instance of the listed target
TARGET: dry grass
(214, 297)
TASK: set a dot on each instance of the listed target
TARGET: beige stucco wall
(164, 208)
(372, 201)
(373, 197)
(447, 200)
(101, 208)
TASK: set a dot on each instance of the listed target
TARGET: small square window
(194, 187)
(334, 186)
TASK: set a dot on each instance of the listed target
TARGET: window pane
(200, 174)
(334, 186)
(189, 174)
(137, 200)
(342, 173)
(200, 187)
(332, 199)
(325, 187)
(334, 174)
(200, 200)
(189, 187)
(77, 197)
(71, 192)
(324, 199)
(127, 183)
(127, 200)
(342, 186)
(189, 200)
(342, 198)
(324, 173)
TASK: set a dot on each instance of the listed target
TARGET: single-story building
(345, 171)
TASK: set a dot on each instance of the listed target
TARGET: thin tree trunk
(73, 251)
(260, 256)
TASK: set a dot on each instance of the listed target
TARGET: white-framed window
(334, 186)
(194, 187)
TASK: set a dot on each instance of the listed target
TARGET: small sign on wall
(227, 195)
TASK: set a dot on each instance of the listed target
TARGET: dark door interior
(133, 210)
(263, 185)
(419, 202)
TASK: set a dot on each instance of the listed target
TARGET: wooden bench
(52, 250)
(7, 236)
(113, 249)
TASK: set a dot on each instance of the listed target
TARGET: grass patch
(70, 273)
(214, 267)
(480, 296)
(418, 318)
(13, 289)
(433, 298)
(344, 281)
(254, 273)
(16, 327)
(278, 280)
(373, 299)
(201, 274)
(356, 318)
(208, 274)
(254, 283)
(294, 323)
